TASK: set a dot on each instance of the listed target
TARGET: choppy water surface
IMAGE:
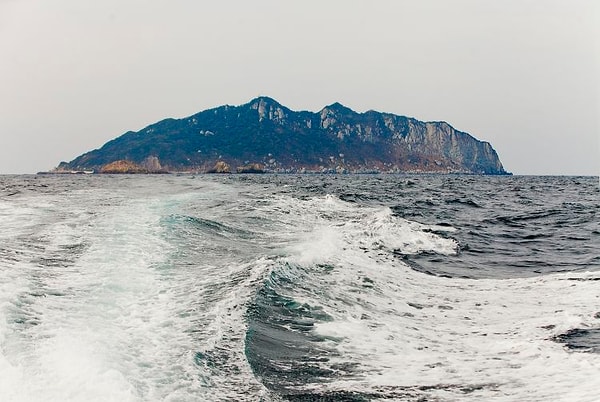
(299, 288)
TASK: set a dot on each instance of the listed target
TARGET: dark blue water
(504, 227)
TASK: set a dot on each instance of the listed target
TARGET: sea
(299, 288)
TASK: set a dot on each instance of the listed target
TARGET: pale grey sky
(523, 75)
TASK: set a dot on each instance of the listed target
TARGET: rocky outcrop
(220, 167)
(152, 164)
(267, 134)
(122, 167)
(251, 168)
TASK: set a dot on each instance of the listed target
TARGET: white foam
(331, 226)
(323, 243)
(382, 229)
(408, 330)
(123, 321)
(70, 353)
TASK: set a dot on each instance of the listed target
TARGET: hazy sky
(521, 74)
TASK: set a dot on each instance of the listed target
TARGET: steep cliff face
(265, 133)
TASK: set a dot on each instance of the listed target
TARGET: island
(263, 136)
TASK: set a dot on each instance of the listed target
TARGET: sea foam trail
(85, 309)
(382, 330)
(115, 302)
(239, 288)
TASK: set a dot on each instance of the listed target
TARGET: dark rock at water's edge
(251, 168)
(264, 136)
(581, 339)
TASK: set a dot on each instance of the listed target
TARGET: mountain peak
(264, 100)
(269, 108)
(337, 107)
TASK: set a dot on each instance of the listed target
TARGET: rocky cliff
(264, 133)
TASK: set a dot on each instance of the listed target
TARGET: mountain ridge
(265, 133)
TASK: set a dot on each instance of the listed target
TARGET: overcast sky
(523, 75)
